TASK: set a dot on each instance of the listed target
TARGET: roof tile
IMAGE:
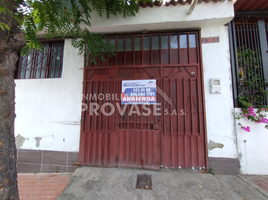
(172, 2)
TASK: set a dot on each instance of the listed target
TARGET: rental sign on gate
(139, 91)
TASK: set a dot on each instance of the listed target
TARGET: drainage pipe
(191, 9)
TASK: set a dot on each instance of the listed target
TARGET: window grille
(46, 63)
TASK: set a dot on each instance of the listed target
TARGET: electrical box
(215, 86)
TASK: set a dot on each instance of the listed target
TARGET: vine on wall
(252, 92)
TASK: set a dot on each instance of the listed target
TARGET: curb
(253, 185)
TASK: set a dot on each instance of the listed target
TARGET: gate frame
(200, 56)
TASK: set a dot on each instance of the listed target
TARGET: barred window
(42, 64)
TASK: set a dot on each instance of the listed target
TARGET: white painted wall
(252, 147)
(165, 18)
(49, 108)
(219, 107)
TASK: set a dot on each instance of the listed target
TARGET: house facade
(187, 56)
(249, 59)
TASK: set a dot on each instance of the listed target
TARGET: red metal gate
(174, 139)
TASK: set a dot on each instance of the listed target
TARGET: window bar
(49, 48)
(41, 64)
(36, 63)
(125, 52)
(98, 58)
(252, 59)
(18, 75)
(169, 49)
(142, 50)
(116, 51)
(237, 29)
(179, 59)
(89, 59)
(188, 47)
(196, 50)
(133, 51)
(261, 63)
(107, 56)
(55, 66)
(242, 49)
(234, 56)
(199, 95)
(160, 50)
(61, 55)
(32, 63)
(26, 65)
(245, 46)
(151, 50)
(247, 50)
(257, 55)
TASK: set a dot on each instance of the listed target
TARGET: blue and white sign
(139, 91)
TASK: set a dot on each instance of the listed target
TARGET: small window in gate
(147, 43)
(120, 44)
(164, 42)
(156, 44)
(192, 39)
(183, 41)
(174, 42)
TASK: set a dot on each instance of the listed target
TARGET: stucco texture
(219, 107)
(252, 147)
(50, 109)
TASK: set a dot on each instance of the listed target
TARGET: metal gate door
(176, 137)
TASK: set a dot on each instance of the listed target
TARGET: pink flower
(262, 108)
(246, 128)
(251, 111)
(264, 120)
(245, 115)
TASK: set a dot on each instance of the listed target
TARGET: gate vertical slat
(199, 106)
(184, 105)
(191, 104)
(90, 83)
(171, 130)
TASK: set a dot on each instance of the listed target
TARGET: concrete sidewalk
(120, 183)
